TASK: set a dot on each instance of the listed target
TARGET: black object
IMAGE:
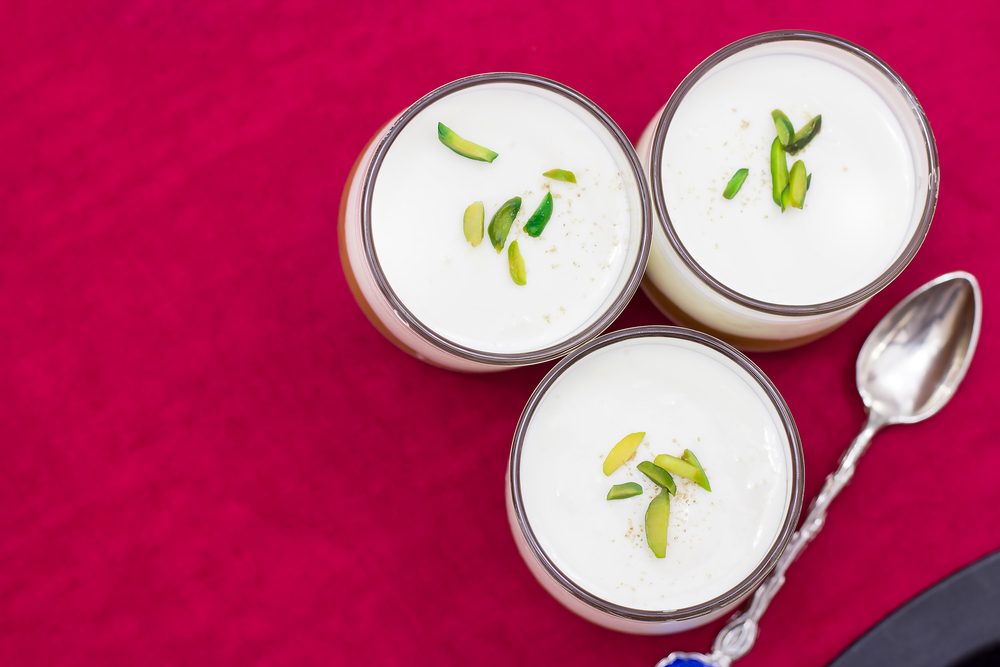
(955, 623)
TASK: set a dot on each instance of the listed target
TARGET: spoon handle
(738, 636)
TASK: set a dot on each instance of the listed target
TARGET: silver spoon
(907, 370)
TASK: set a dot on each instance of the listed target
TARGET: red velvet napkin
(210, 458)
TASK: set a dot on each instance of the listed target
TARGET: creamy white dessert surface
(858, 211)
(574, 269)
(684, 396)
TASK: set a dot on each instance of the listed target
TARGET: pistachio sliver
(779, 171)
(536, 223)
(735, 183)
(657, 520)
(677, 466)
(659, 476)
(516, 264)
(700, 478)
(623, 451)
(472, 223)
(626, 490)
(560, 175)
(797, 184)
(464, 147)
(805, 134)
(784, 126)
(785, 200)
(501, 221)
(809, 181)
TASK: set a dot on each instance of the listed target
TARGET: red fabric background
(207, 454)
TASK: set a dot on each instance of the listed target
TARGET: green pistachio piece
(516, 264)
(464, 147)
(700, 478)
(785, 200)
(676, 466)
(623, 451)
(805, 134)
(784, 126)
(735, 183)
(657, 520)
(659, 476)
(501, 221)
(560, 175)
(536, 223)
(472, 223)
(779, 171)
(798, 183)
(626, 490)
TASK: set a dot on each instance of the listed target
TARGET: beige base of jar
(681, 318)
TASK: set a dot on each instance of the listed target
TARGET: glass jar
(698, 285)
(431, 314)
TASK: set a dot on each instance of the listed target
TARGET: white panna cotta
(580, 270)
(685, 395)
(858, 212)
(466, 293)
(794, 274)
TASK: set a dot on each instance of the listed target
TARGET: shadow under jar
(743, 269)
(683, 390)
(434, 293)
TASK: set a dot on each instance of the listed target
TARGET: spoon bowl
(913, 361)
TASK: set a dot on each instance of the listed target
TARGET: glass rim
(635, 272)
(854, 298)
(796, 464)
